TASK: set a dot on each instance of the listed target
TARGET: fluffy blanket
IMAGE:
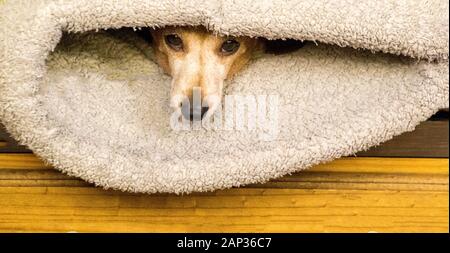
(93, 103)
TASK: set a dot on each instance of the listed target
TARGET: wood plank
(346, 195)
(11, 149)
(21, 161)
(305, 180)
(26, 170)
(66, 209)
(9, 145)
(429, 139)
(346, 164)
(386, 165)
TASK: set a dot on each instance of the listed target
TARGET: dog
(200, 61)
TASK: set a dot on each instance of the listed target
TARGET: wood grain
(347, 195)
(343, 165)
(21, 161)
(237, 210)
(429, 139)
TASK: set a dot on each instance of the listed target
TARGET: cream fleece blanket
(95, 106)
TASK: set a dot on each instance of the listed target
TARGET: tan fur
(200, 63)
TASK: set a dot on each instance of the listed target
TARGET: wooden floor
(401, 186)
(347, 195)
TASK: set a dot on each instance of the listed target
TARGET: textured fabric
(95, 105)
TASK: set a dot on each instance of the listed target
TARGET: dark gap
(144, 33)
(440, 115)
(278, 47)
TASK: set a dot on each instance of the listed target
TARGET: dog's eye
(174, 41)
(230, 47)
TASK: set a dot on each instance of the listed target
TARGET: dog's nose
(198, 114)
(195, 113)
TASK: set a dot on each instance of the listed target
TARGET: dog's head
(200, 61)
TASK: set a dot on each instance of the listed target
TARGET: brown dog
(200, 61)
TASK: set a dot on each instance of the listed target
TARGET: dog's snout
(193, 112)
(198, 113)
